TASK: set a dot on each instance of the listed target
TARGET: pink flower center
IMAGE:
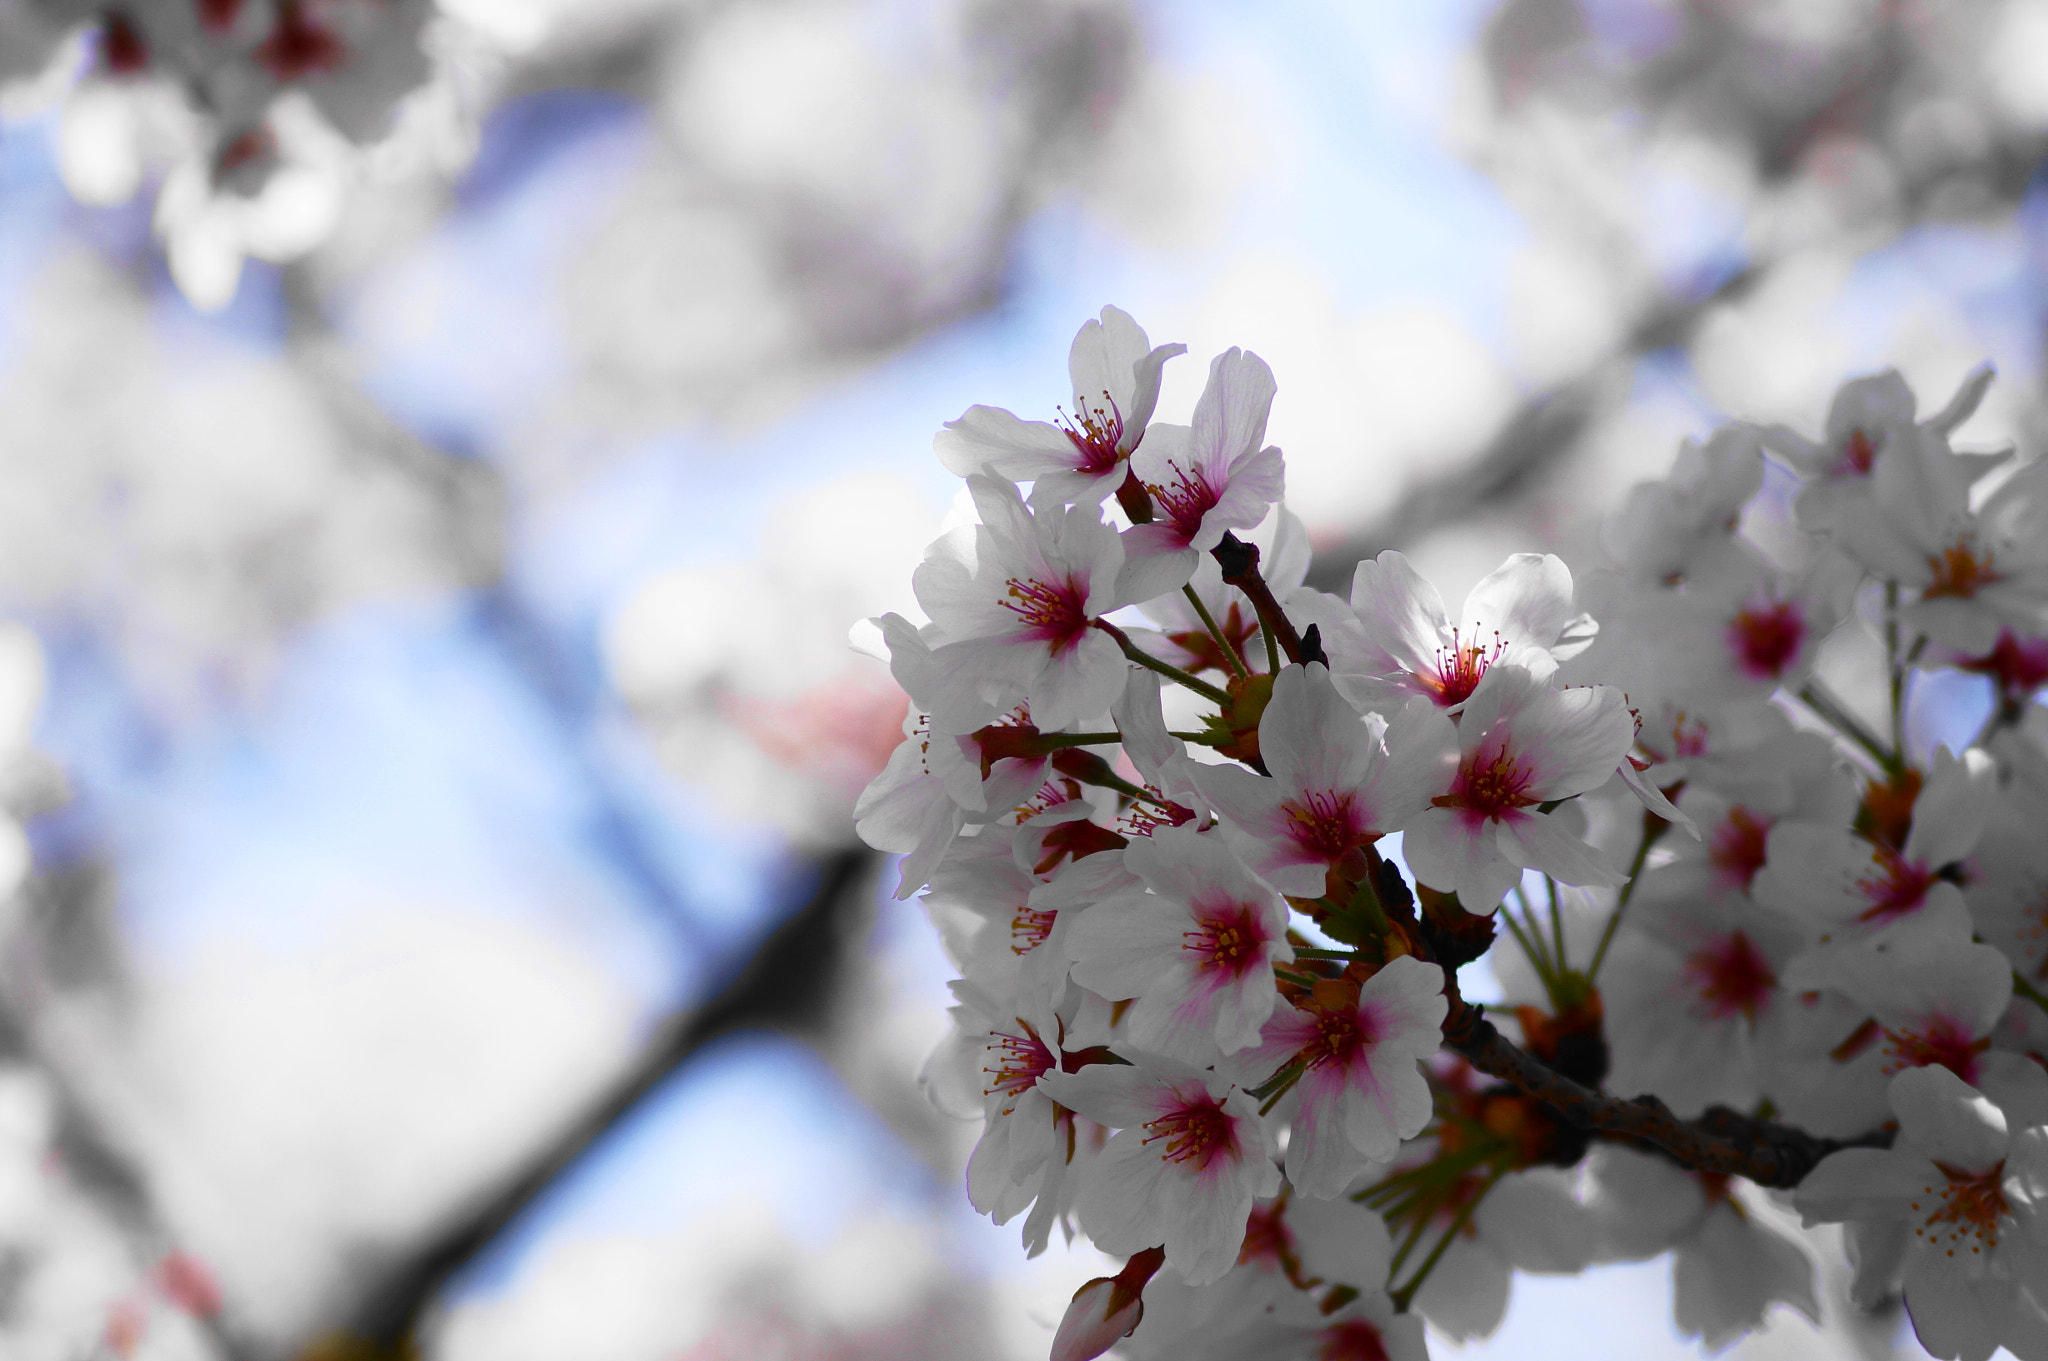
(1766, 639)
(1353, 1340)
(1897, 887)
(1858, 453)
(1325, 824)
(1227, 940)
(1267, 1239)
(1731, 977)
(1738, 847)
(1458, 669)
(1054, 613)
(2019, 668)
(1028, 930)
(1966, 1210)
(1942, 1042)
(1340, 1037)
(1095, 433)
(1488, 788)
(1187, 500)
(1960, 572)
(1020, 1060)
(297, 45)
(1194, 1134)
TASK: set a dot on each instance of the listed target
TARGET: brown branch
(1721, 1140)
(786, 985)
(1240, 563)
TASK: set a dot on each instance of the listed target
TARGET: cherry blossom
(1115, 372)
(1521, 744)
(1189, 1157)
(1359, 1092)
(1521, 613)
(1196, 952)
(1016, 602)
(1208, 477)
(1337, 781)
(1952, 1210)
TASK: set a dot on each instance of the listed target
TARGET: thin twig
(1209, 622)
(1166, 669)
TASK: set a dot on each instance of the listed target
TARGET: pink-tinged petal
(1125, 947)
(1964, 404)
(1251, 486)
(1113, 357)
(992, 441)
(1527, 599)
(1950, 813)
(1156, 563)
(1860, 1183)
(1539, 843)
(1118, 1096)
(1573, 739)
(1401, 612)
(1947, 1119)
(1079, 683)
(1230, 415)
(1453, 855)
(1422, 757)
(1310, 738)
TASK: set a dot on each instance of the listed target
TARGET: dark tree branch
(786, 985)
(1721, 1140)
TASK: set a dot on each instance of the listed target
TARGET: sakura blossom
(1948, 1215)
(1188, 1159)
(1360, 1091)
(1521, 613)
(1196, 952)
(1210, 886)
(1211, 477)
(1521, 744)
(1016, 601)
(1334, 783)
(1084, 458)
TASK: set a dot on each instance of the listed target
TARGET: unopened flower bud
(1106, 1309)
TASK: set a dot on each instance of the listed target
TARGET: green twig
(1209, 622)
(1556, 926)
(1823, 702)
(1405, 1296)
(1166, 669)
(1895, 665)
(2027, 990)
(1651, 831)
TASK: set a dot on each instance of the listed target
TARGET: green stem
(1209, 622)
(1405, 1296)
(1536, 957)
(1823, 702)
(1408, 1245)
(1272, 652)
(1556, 926)
(1054, 740)
(1895, 665)
(1635, 871)
(2028, 991)
(1314, 952)
(1166, 669)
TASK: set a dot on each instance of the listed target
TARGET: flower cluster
(246, 110)
(1209, 848)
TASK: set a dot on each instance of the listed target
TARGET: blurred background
(443, 445)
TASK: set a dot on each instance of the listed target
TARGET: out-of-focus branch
(61, 919)
(786, 985)
(1548, 424)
